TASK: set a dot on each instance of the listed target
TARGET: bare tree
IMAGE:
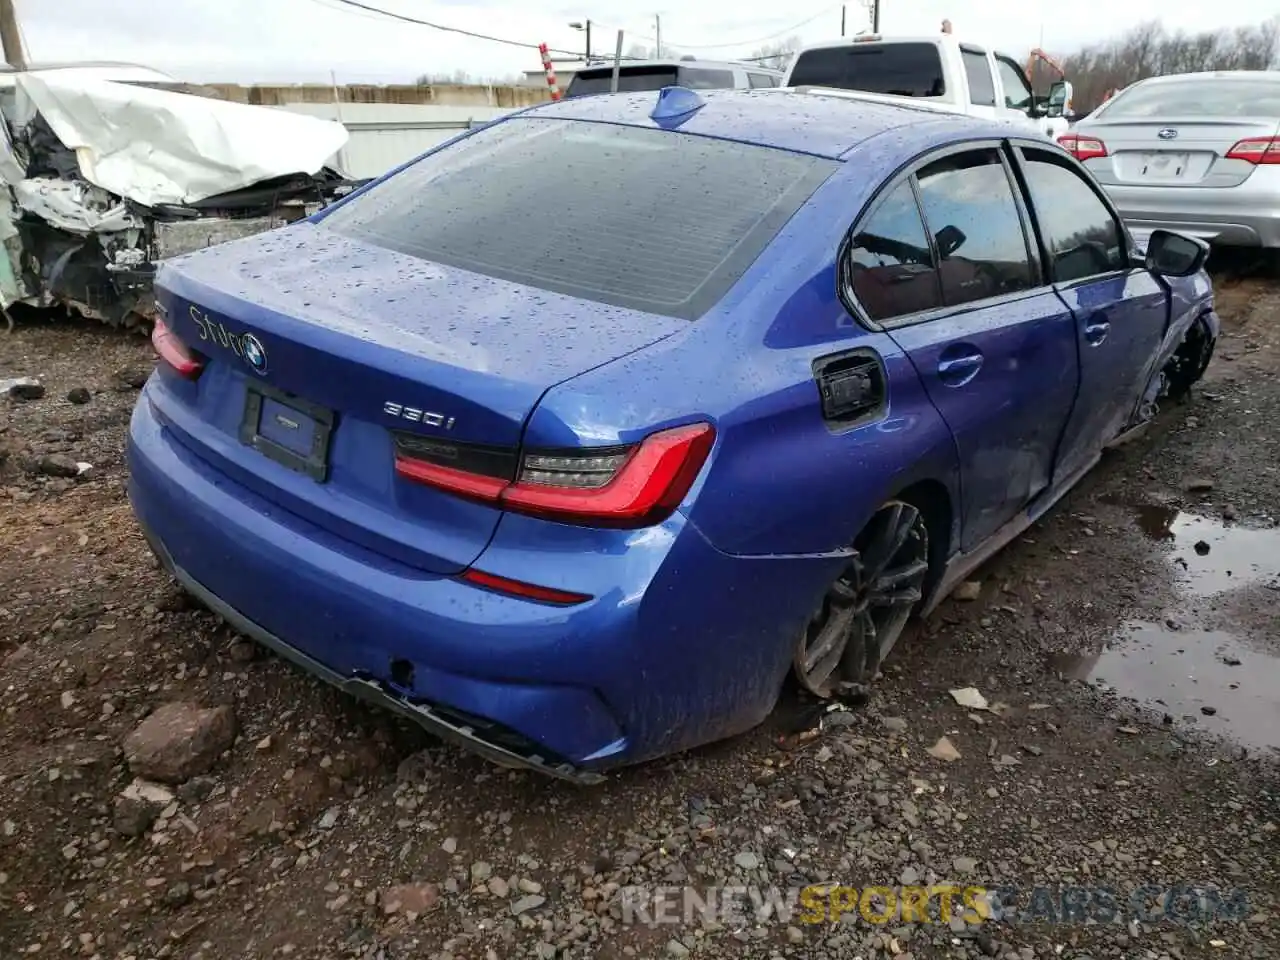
(777, 55)
(458, 77)
(1148, 50)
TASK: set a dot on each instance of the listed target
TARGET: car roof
(1272, 76)
(938, 39)
(91, 70)
(607, 64)
(803, 122)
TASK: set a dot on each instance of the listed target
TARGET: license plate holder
(289, 430)
(1164, 164)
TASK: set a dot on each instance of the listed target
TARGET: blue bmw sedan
(574, 438)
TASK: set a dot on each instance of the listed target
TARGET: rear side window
(890, 266)
(982, 89)
(901, 69)
(697, 78)
(648, 219)
(630, 80)
(757, 80)
(970, 210)
(1197, 98)
(1083, 238)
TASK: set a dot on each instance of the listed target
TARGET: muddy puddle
(1202, 677)
(1219, 682)
(1210, 556)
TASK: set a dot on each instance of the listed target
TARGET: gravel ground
(317, 827)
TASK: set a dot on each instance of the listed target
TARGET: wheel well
(933, 500)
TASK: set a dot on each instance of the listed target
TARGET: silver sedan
(1197, 152)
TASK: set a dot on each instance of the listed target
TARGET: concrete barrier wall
(389, 124)
(510, 97)
(385, 135)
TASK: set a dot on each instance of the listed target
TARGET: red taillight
(1083, 148)
(627, 487)
(518, 588)
(473, 486)
(174, 352)
(1256, 150)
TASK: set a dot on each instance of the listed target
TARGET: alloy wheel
(866, 609)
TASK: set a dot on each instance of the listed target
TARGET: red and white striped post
(551, 71)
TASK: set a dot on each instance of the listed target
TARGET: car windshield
(901, 69)
(1197, 98)
(649, 219)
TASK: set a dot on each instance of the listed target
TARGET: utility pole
(11, 36)
(657, 36)
(875, 16)
(586, 27)
(842, 13)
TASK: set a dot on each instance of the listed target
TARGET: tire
(867, 607)
(1189, 363)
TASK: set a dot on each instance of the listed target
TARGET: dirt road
(327, 829)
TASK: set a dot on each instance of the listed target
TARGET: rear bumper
(1243, 216)
(446, 725)
(682, 645)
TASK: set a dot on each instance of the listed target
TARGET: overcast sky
(300, 40)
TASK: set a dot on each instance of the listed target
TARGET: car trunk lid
(321, 350)
(1176, 152)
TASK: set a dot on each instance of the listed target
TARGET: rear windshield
(631, 79)
(1197, 98)
(648, 219)
(902, 69)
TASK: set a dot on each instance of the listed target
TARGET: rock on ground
(179, 741)
(409, 898)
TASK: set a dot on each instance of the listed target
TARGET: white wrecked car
(109, 168)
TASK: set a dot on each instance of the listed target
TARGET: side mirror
(949, 239)
(1175, 254)
(1059, 99)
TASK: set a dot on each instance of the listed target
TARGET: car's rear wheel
(866, 609)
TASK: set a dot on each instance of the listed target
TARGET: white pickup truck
(940, 71)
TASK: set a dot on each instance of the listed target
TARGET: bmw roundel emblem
(254, 353)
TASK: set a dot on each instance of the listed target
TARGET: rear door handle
(1095, 331)
(959, 365)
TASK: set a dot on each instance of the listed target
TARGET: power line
(356, 4)
(748, 43)
(369, 11)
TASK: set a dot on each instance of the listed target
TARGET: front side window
(1082, 236)
(890, 266)
(970, 210)
(982, 90)
(1017, 92)
(650, 219)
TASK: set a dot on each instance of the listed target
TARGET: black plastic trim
(861, 374)
(316, 465)
(484, 460)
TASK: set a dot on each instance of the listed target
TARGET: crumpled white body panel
(73, 206)
(157, 146)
